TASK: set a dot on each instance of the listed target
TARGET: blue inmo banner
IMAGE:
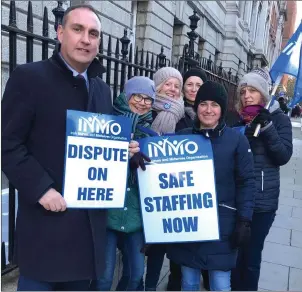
(96, 155)
(177, 190)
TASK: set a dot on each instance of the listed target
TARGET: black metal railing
(121, 64)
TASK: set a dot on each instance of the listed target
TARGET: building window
(251, 20)
(201, 46)
(242, 9)
(216, 57)
(177, 45)
(249, 62)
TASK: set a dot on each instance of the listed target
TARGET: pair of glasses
(139, 98)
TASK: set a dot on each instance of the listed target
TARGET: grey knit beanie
(139, 85)
(165, 73)
(257, 78)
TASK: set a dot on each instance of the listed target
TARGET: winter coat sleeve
(245, 179)
(18, 117)
(278, 140)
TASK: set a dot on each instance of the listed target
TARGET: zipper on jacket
(262, 180)
(226, 206)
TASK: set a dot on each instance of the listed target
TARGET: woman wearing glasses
(124, 227)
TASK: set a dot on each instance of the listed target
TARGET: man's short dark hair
(71, 8)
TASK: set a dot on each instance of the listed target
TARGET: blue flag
(288, 61)
(298, 86)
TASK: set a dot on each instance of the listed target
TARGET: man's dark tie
(80, 76)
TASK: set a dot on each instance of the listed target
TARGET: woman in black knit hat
(192, 80)
(235, 190)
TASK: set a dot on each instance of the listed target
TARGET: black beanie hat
(214, 91)
(195, 72)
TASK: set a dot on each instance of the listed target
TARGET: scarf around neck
(248, 113)
(169, 113)
(189, 110)
(121, 107)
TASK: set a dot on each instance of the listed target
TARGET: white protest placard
(177, 190)
(96, 158)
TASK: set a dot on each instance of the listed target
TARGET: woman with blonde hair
(167, 111)
(168, 108)
(271, 149)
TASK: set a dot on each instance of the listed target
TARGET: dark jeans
(131, 244)
(27, 284)
(156, 254)
(174, 283)
(123, 282)
(245, 276)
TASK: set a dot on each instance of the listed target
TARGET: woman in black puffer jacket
(193, 79)
(271, 149)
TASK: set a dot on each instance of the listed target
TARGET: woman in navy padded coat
(235, 189)
(271, 149)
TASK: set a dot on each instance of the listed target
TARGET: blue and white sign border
(102, 131)
(203, 156)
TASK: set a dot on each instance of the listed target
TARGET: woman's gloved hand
(138, 160)
(249, 131)
(241, 234)
(263, 118)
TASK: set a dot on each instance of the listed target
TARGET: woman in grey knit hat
(271, 149)
(168, 107)
(167, 111)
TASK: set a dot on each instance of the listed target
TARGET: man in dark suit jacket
(56, 248)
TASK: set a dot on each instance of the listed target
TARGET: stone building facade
(289, 29)
(240, 34)
(289, 25)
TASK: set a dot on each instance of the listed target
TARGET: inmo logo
(167, 148)
(95, 125)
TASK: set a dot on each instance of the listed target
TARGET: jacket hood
(275, 109)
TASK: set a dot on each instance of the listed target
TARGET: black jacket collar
(209, 133)
(95, 69)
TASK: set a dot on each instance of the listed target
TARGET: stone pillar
(241, 8)
(278, 40)
(247, 14)
(259, 42)
(253, 22)
(151, 14)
